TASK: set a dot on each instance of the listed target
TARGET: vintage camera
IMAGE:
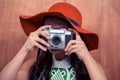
(59, 37)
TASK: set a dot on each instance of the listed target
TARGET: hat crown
(68, 10)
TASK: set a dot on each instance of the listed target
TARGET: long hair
(42, 67)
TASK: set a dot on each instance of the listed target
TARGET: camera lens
(56, 40)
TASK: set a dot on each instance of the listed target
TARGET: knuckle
(31, 38)
(31, 33)
(42, 41)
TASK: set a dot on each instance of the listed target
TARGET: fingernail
(49, 37)
(65, 53)
(48, 45)
(49, 25)
(65, 49)
(45, 49)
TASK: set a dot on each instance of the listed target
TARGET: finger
(39, 46)
(44, 27)
(36, 34)
(39, 40)
(72, 51)
(42, 33)
(71, 48)
(76, 34)
(34, 41)
(71, 42)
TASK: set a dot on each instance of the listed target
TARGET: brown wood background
(99, 16)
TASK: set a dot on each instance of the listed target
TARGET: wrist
(24, 50)
(84, 57)
(87, 58)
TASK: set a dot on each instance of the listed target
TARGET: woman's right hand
(34, 40)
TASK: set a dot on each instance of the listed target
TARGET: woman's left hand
(77, 46)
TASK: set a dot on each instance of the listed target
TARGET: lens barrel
(56, 40)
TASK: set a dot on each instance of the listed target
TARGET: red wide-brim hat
(67, 12)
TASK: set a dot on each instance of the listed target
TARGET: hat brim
(32, 23)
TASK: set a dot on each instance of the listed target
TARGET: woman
(72, 63)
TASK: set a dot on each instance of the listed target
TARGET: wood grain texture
(99, 16)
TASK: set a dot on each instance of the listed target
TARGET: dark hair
(42, 67)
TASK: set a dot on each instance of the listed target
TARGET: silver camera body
(59, 37)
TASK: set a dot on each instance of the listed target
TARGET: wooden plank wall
(99, 16)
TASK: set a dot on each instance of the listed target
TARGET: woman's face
(55, 23)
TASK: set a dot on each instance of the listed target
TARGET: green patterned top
(62, 70)
(62, 74)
